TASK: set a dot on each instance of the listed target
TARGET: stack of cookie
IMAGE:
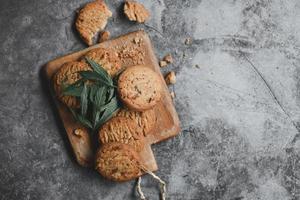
(122, 138)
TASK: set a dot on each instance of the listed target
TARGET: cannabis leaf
(96, 91)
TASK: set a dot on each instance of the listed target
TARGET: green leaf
(112, 103)
(109, 111)
(81, 119)
(73, 90)
(111, 93)
(70, 89)
(89, 75)
(97, 94)
(96, 117)
(99, 70)
(84, 100)
(100, 97)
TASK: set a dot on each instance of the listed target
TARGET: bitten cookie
(66, 75)
(139, 88)
(117, 162)
(144, 120)
(108, 59)
(91, 19)
(122, 130)
(136, 11)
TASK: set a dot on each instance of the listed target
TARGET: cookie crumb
(163, 63)
(168, 58)
(172, 94)
(188, 41)
(105, 35)
(170, 78)
(136, 11)
(78, 132)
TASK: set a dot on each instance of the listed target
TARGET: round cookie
(117, 162)
(123, 130)
(66, 75)
(146, 120)
(139, 88)
(108, 59)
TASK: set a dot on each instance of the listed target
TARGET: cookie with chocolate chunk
(117, 162)
(107, 58)
(145, 120)
(67, 75)
(91, 19)
(139, 88)
(123, 130)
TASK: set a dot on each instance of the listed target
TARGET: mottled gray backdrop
(237, 95)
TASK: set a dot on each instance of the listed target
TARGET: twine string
(162, 185)
(139, 189)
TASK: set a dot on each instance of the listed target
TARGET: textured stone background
(240, 109)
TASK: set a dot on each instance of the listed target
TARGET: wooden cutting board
(133, 49)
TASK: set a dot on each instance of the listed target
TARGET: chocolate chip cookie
(117, 162)
(139, 88)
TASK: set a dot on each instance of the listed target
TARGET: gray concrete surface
(239, 108)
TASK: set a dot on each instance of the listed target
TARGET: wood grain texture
(133, 48)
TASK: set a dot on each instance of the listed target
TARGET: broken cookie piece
(163, 63)
(91, 19)
(105, 35)
(136, 11)
(118, 162)
(168, 58)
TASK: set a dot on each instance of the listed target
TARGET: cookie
(139, 88)
(91, 19)
(122, 130)
(144, 120)
(66, 75)
(117, 162)
(136, 11)
(108, 59)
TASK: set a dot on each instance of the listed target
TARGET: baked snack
(139, 88)
(144, 120)
(108, 59)
(105, 35)
(122, 130)
(170, 78)
(136, 11)
(91, 19)
(117, 162)
(66, 75)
